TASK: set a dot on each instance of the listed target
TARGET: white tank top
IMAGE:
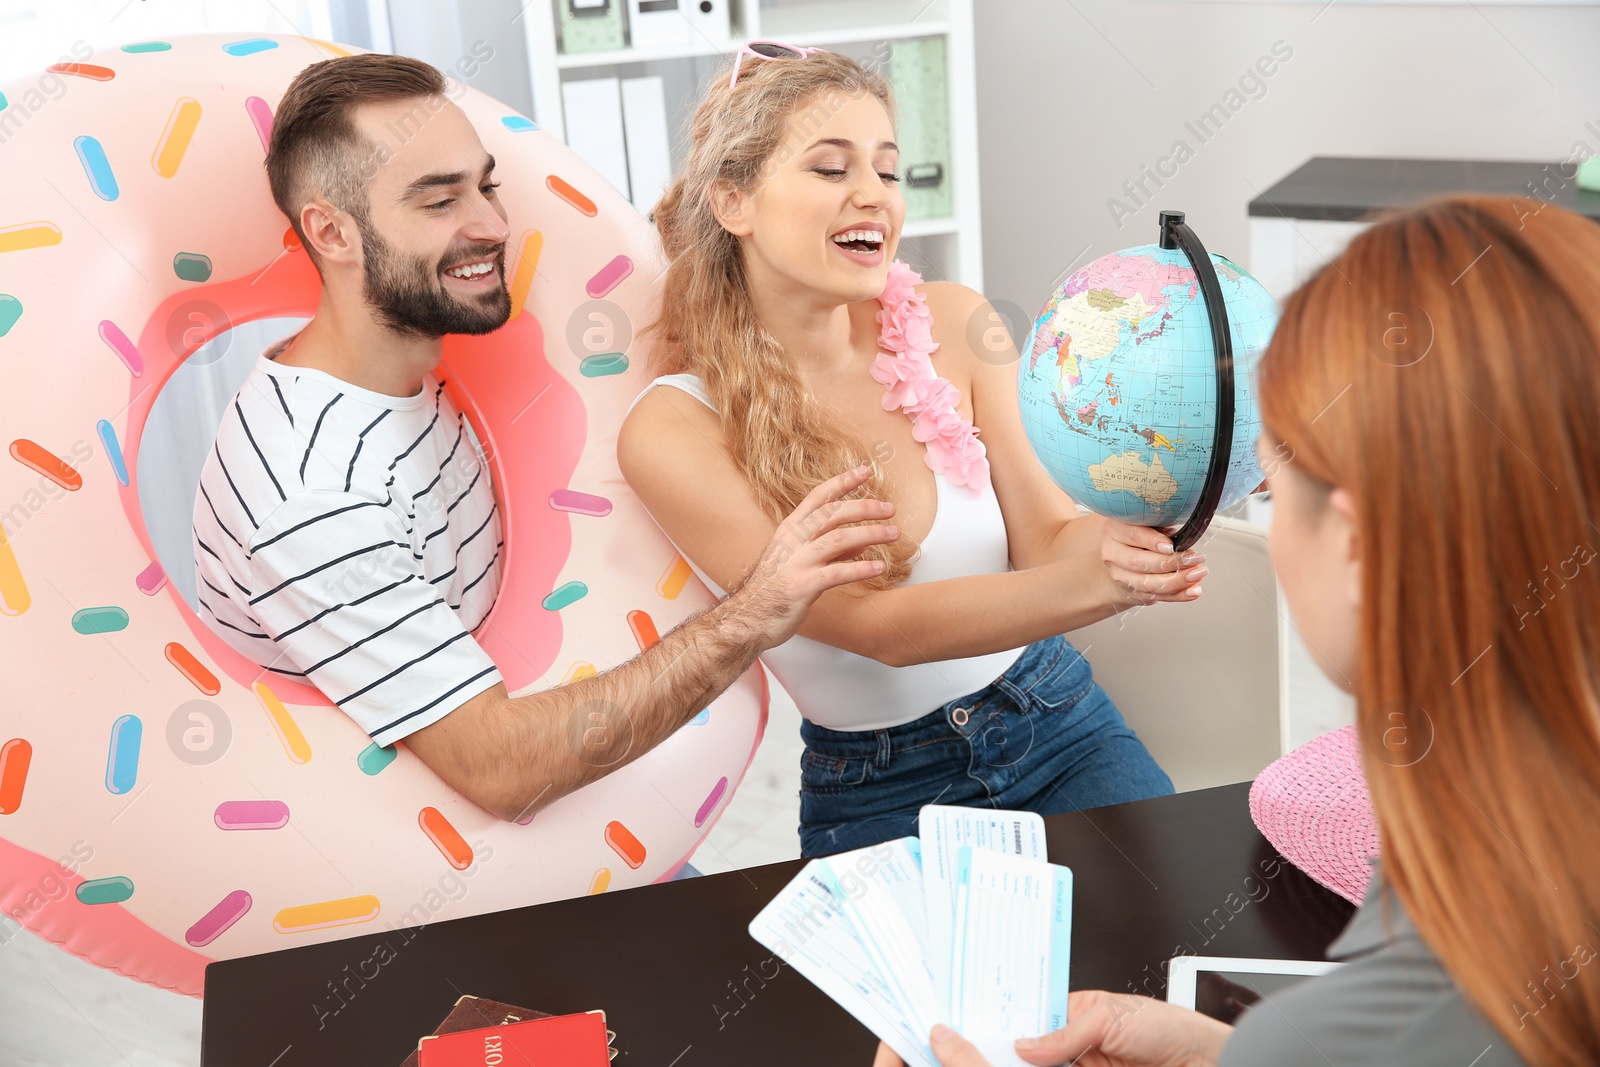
(841, 690)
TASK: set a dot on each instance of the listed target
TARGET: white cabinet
(944, 245)
(1285, 252)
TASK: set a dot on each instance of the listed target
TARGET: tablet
(1224, 986)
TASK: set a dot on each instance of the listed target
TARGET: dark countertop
(676, 970)
(1347, 189)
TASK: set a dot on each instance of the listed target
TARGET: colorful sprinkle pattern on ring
(122, 758)
(14, 596)
(335, 49)
(445, 837)
(674, 578)
(326, 913)
(112, 890)
(580, 503)
(295, 745)
(644, 629)
(251, 815)
(624, 844)
(108, 440)
(260, 113)
(214, 923)
(191, 266)
(375, 757)
(609, 277)
(125, 349)
(107, 620)
(565, 595)
(710, 804)
(15, 755)
(83, 70)
(249, 47)
(603, 365)
(22, 236)
(529, 250)
(174, 142)
(151, 580)
(96, 167)
(563, 189)
(47, 463)
(192, 669)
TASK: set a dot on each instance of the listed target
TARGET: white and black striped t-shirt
(351, 539)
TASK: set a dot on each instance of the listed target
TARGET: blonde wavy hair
(782, 441)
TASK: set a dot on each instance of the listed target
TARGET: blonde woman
(792, 345)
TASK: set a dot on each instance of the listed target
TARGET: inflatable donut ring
(140, 189)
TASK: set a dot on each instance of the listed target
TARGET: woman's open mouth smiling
(862, 243)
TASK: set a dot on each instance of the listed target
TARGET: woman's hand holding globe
(1142, 567)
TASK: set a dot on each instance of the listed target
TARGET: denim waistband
(1052, 661)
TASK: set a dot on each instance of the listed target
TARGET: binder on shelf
(589, 25)
(661, 23)
(710, 19)
(917, 71)
(644, 119)
(593, 109)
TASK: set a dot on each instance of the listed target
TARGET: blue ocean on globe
(1118, 384)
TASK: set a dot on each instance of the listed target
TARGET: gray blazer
(1391, 1003)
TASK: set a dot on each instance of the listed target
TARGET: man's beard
(409, 296)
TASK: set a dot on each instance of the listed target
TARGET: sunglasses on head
(768, 50)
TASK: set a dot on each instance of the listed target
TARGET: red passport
(475, 1013)
(555, 1041)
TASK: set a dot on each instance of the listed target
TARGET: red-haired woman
(1434, 535)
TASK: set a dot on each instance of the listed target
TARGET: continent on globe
(1128, 473)
(1089, 325)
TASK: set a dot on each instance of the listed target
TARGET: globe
(1118, 384)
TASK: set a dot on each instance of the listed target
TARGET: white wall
(37, 33)
(478, 42)
(1073, 98)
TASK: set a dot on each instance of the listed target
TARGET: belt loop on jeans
(884, 749)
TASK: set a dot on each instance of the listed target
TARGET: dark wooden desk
(684, 984)
(1346, 188)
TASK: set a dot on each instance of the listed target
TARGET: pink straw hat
(1313, 806)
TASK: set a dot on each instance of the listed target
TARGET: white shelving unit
(940, 248)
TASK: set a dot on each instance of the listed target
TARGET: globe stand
(1175, 233)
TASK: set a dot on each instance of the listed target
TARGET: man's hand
(811, 552)
(513, 755)
(1144, 569)
(1107, 1030)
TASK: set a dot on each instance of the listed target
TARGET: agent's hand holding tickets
(1107, 1030)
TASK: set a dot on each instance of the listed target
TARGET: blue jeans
(1042, 737)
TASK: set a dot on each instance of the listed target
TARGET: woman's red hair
(1445, 371)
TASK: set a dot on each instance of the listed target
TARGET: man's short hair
(315, 146)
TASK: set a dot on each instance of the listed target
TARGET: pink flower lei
(903, 367)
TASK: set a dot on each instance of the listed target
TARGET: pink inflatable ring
(142, 188)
